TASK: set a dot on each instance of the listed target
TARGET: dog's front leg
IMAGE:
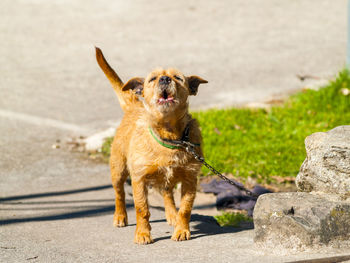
(188, 193)
(143, 228)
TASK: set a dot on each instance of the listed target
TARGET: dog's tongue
(168, 99)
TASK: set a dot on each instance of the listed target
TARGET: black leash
(184, 143)
(190, 148)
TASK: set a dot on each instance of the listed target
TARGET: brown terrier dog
(156, 109)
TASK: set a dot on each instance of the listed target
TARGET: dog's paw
(120, 220)
(143, 238)
(171, 218)
(181, 235)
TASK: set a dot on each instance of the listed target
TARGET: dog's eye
(152, 79)
(178, 78)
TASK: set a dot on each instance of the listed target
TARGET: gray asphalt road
(57, 206)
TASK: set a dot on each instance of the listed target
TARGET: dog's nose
(164, 80)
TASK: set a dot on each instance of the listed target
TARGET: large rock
(327, 165)
(321, 217)
(301, 220)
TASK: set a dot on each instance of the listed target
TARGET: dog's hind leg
(119, 174)
(169, 204)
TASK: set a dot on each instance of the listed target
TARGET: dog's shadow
(202, 225)
(208, 226)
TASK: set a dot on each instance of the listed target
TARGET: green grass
(106, 147)
(265, 143)
(232, 219)
(261, 143)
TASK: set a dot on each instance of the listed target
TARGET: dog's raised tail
(125, 97)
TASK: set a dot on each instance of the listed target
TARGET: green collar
(171, 144)
(161, 142)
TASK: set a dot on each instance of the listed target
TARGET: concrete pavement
(59, 207)
(248, 51)
(56, 205)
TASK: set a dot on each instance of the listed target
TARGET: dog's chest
(172, 168)
(172, 159)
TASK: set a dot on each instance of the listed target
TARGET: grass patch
(264, 143)
(232, 219)
(106, 147)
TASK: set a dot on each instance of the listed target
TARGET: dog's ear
(135, 84)
(193, 83)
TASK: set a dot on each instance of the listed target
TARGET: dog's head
(165, 91)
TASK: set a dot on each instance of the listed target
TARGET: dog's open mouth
(165, 98)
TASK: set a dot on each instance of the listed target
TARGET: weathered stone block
(301, 220)
(327, 165)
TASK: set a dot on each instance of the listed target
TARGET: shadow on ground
(87, 210)
(202, 225)
(57, 193)
(206, 226)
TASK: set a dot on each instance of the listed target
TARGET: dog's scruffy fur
(158, 102)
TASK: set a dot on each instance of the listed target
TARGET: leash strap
(191, 149)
